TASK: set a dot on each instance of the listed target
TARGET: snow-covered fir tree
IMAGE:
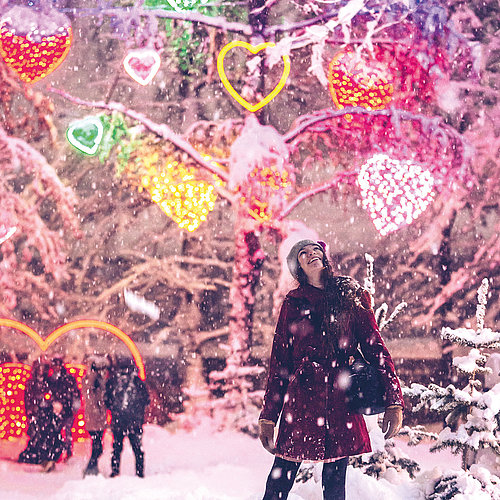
(471, 413)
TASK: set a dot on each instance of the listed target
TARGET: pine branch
(417, 434)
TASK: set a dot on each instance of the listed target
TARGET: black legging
(96, 449)
(282, 476)
(134, 433)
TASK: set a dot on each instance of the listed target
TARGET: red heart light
(34, 43)
(13, 378)
(357, 82)
(13, 419)
(394, 192)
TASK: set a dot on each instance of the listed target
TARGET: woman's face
(311, 260)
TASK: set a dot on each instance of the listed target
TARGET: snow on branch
(381, 312)
(472, 363)
(481, 337)
(417, 434)
(33, 240)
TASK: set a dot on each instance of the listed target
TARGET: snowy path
(194, 466)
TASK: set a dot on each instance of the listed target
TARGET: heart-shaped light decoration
(357, 82)
(142, 65)
(44, 344)
(86, 135)
(13, 419)
(254, 49)
(180, 5)
(267, 184)
(34, 43)
(394, 192)
(177, 190)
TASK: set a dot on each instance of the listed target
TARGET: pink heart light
(142, 65)
(394, 192)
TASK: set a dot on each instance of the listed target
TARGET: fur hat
(292, 257)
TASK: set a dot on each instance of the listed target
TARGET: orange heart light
(357, 82)
(269, 186)
(44, 344)
(254, 49)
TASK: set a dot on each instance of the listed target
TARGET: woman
(94, 391)
(321, 324)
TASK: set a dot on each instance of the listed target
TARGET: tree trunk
(248, 259)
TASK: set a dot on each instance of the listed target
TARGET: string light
(13, 419)
(78, 430)
(357, 82)
(32, 43)
(394, 192)
(175, 188)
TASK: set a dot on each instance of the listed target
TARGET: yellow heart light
(254, 49)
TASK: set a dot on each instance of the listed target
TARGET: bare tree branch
(333, 182)
(327, 114)
(191, 16)
(160, 129)
(281, 28)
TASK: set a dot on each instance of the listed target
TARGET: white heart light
(394, 192)
(142, 65)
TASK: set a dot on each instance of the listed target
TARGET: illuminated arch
(74, 325)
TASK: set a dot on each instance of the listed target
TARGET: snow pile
(207, 465)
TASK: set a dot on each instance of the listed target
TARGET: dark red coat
(305, 379)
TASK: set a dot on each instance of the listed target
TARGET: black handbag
(366, 391)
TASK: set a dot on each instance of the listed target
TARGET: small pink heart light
(394, 192)
(142, 65)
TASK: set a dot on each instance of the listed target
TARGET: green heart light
(86, 135)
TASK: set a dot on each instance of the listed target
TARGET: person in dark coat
(65, 391)
(44, 446)
(94, 391)
(320, 326)
(127, 397)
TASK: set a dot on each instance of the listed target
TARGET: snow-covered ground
(199, 465)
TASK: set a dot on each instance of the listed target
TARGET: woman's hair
(337, 290)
